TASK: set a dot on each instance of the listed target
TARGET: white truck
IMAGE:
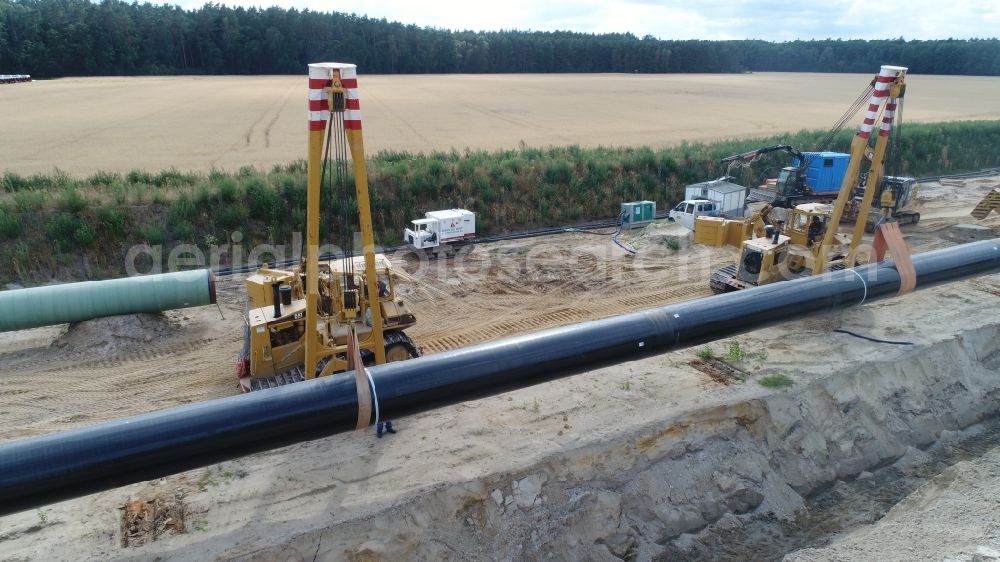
(716, 198)
(687, 210)
(441, 233)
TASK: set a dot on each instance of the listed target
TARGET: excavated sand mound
(116, 334)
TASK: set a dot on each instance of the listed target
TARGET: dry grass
(83, 125)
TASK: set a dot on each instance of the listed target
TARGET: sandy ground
(56, 378)
(104, 366)
(82, 125)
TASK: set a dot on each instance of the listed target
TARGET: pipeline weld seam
(863, 284)
(374, 394)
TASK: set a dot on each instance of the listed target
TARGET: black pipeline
(68, 464)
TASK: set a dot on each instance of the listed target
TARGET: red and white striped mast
(889, 86)
(333, 87)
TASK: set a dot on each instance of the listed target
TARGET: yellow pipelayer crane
(989, 203)
(783, 255)
(301, 326)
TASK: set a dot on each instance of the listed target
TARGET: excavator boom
(890, 86)
(762, 151)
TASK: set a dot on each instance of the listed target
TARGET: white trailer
(441, 232)
(729, 198)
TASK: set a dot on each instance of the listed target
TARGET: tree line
(52, 38)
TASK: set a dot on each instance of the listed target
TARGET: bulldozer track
(491, 332)
(297, 374)
(445, 340)
(70, 361)
(673, 295)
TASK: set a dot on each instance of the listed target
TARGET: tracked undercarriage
(398, 347)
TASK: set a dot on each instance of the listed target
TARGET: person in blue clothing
(380, 427)
(384, 427)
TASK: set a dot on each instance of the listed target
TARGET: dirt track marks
(455, 339)
(246, 141)
(55, 387)
(248, 135)
(534, 319)
(277, 114)
(536, 284)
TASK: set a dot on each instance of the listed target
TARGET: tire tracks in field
(277, 115)
(248, 134)
(401, 121)
(247, 137)
(112, 124)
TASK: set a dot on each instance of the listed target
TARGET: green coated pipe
(74, 302)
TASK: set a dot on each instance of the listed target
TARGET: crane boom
(762, 151)
(333, 89)
(890, 86)
(809, 241)
(320, 318)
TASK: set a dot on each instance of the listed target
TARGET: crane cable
(325, 174)
(848, 115)
(337, 176)
(335, 172)
(895, 141)
(345, 239)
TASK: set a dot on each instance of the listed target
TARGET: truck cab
(686, 211)
(424, 233)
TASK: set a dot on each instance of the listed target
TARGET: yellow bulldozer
(326, 317)
(276, 321)
(771, 251)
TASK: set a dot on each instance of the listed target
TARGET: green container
(21, 309)
(638, 213)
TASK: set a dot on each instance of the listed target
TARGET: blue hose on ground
(614, 237)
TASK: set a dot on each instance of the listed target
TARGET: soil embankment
(635, 496)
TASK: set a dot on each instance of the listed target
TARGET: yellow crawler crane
(989, 203)
(339, 312)
(809, 241)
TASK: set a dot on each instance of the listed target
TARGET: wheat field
(83, 125)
